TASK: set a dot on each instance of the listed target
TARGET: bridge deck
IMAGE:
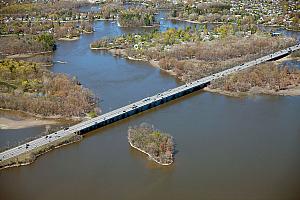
(137, 107)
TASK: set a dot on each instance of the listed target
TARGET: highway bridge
(134, 108)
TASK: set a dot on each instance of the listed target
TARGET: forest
(150, 39)
(27, 44)
(57, 29)
(280, 13)
(186, 53)
(159, 145)
(268, 76)
(194, 61)
(203, 12)
(31, 88)
(28, 28)
(109, 11)
(136, 17)
(48, 10)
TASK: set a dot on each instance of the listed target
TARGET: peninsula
(193, 53)
(32, 88)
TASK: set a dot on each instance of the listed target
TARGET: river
(227, 148)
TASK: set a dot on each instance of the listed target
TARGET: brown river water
(226, 148)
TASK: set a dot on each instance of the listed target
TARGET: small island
(157, 145)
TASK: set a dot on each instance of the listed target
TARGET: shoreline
(8, 123)
(69, 39)
(206, 22)
(151, 26)
(151, 157)
(100, 48)
(87, 32)
(154, 63)
(294, 91)
(54, 117)
(15, 119)
(287, 58)
(27, 55)
(102, 19)
(193, 22)
(123, 54)
(280, 26)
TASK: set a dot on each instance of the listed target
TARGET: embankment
(31, 155)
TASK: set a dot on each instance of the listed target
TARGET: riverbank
(220, 22)
(69, 39)
(87, 32)
(157, 145)
(12, 119)
(189, 58)
(155, 63)
(43, 94)
(102, 19)
(20, 114)
(289, 90)
(7, 123)
(287, 58)
(118, 52)
(281, 26)
(31, 155)
(294, 91)
(26, 55)
(151, 26)
(193, 22)
(270, 78)
(150, 157)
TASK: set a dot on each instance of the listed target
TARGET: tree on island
(158, 145)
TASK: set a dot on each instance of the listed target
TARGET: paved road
(130, 109)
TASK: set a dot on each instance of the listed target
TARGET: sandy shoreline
(102, 19)
(7, 123)
(87, 32)
(15, 119)
(26, 55)
(193, 22)
(152, 158)
(69, 39)
(32, 115)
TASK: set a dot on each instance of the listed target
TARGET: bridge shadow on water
(131, 120)
(136, 116)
